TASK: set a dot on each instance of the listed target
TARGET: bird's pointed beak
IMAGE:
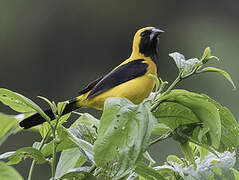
(155, 32)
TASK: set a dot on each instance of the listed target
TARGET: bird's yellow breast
(136, 90)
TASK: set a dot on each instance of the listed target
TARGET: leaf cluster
(116, 146)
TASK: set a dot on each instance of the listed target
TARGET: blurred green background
(54, 48)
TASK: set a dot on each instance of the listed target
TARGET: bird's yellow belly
(136, 90)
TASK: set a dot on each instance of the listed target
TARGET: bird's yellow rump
(129, 79)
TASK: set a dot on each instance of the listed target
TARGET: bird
(130, 79)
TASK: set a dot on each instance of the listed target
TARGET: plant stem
(31, 169)
(92, 168)
(166, 136)
(97, 172)
(53, 163)
(34, 161)
(178, 79)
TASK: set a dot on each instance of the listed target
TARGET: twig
(161, 138)
(53, 162)
(34, 161)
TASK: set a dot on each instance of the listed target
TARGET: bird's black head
(146, 41)
(149, 41)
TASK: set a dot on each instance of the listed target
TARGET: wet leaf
(16, 157)
(184, 107)
(147, 172)
(220, 71)
(20, 103)
(67, 161)
(124, 134)
(8, 172)
(184, 66)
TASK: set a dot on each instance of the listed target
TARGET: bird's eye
(145, 33)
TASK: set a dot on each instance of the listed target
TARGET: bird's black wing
(90, 86)
(123, 73)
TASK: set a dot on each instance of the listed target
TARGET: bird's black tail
(37, 119)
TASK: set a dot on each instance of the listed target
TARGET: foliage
(115, 147)
(8, 172)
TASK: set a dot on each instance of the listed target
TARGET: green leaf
(203, 131)
(89, 121)
(77, 174)
(206, 168)
(45, 130)
(124, 134)
(207, 113)
(230, 127)
(203, 110)
(84, 133)
(149, 173)
(61, 106)
(20, 103)
(149, 158)
(9, 125)
(206, 142)
(189, 65)
(170, 171)
(6, 155)
(186, 66)
(179, 60)
(15, 101)
(80, 162)
(17, 156)
(173, 115)
(64, 118)
(207, 55)
(175, 159)
(188, 153)
(67, 161)
(76, 136)
(51, 104)
(220, 71)
(69, 139)
(64, 142)
(160, 129)
(203, 153)
(236, 173)
(8, 172)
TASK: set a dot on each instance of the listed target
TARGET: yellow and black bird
(129, 79)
